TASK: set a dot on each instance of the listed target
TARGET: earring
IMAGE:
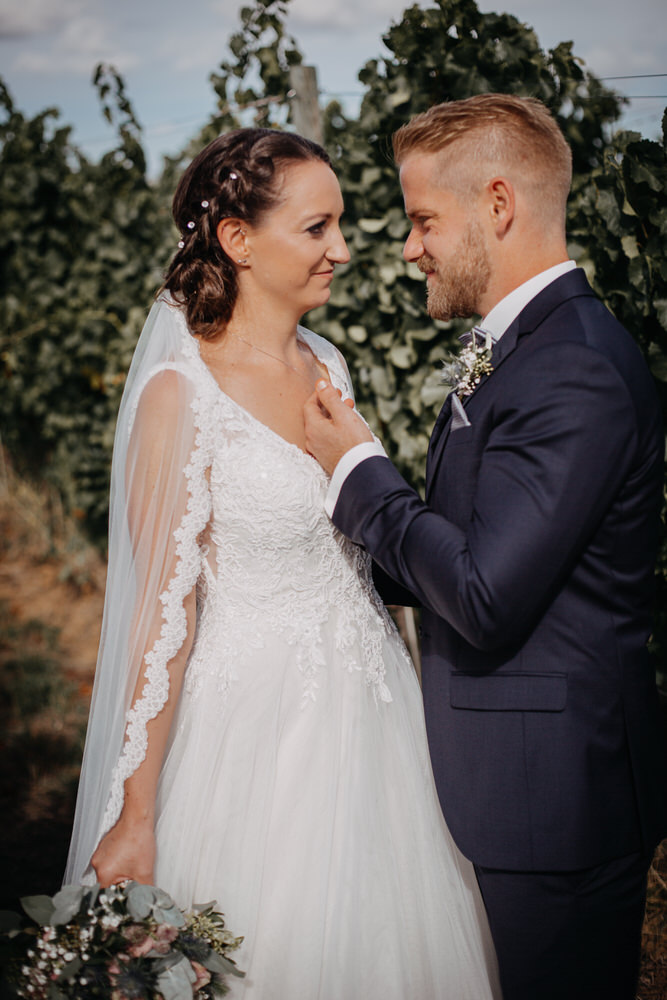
(241, 260)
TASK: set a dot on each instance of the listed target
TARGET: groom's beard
(460, 282)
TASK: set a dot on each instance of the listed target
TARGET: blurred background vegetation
(83, 246)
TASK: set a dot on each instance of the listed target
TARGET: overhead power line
(635, 76)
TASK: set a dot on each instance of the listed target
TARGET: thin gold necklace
(275, 357)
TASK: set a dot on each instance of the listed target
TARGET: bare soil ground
(51, 595)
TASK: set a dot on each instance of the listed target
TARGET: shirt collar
(503, 314)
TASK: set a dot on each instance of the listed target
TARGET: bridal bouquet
(127, 942)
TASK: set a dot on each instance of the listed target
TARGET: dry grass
(653, 975)
(51, 593)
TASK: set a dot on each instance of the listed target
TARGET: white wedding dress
(297, 788)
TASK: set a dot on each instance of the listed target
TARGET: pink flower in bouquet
(203, 976)
(134, 933)
(163, 937)
(142, 947)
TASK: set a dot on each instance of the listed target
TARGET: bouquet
(127, 942)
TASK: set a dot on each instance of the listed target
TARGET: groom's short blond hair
(494, 134)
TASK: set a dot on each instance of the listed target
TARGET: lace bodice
(265, 558)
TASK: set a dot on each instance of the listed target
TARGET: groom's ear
(501, 204)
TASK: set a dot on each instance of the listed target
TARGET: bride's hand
(127, 851)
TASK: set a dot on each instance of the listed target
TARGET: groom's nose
(412, 248)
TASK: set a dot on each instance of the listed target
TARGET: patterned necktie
(476, 335)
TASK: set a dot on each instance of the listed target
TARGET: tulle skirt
(315, 825)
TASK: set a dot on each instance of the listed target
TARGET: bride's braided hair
(236, 176)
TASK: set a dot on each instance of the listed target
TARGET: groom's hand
(332, 427)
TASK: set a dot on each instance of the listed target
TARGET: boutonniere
(463, 372)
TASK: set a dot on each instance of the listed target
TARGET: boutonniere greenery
(463, 372)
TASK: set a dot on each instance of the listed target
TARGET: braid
(235, 176)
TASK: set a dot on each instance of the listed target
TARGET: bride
(256, 732)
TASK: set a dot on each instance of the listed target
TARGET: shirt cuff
(350, 460)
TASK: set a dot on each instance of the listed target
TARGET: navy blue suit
(532, 558)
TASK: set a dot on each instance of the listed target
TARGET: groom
(532, 556)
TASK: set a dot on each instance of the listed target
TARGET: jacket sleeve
(391, 591)
(559, 448)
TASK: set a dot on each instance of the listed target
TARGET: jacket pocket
(508, 692)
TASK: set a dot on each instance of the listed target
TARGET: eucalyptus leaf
(39, 908)
(172, 916)
(204, 907)
(218, 963)
(163, 899)
(67, 903)
(175, 983)
(140, 901)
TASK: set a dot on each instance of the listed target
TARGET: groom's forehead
(423, 175)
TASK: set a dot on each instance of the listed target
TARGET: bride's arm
(157, 501)
(127, 851)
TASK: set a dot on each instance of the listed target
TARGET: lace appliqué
(282, 568)
(173, 631)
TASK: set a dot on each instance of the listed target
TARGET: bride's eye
(317, 229)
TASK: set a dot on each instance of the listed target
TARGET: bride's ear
(232, 235)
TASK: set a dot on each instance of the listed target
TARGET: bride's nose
(338, 252)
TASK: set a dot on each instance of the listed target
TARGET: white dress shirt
(496, 322)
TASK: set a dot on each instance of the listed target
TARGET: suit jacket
(533, 559)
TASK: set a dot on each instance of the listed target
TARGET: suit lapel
(569, 285)
(440, 429)
(437, 443)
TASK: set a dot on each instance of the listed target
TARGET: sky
(166, 49)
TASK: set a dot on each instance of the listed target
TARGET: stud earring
(241, 260)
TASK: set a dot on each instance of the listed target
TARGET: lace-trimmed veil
(158, 507)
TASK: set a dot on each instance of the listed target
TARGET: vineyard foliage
(84, 245)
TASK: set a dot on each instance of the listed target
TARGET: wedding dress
(296, 788)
